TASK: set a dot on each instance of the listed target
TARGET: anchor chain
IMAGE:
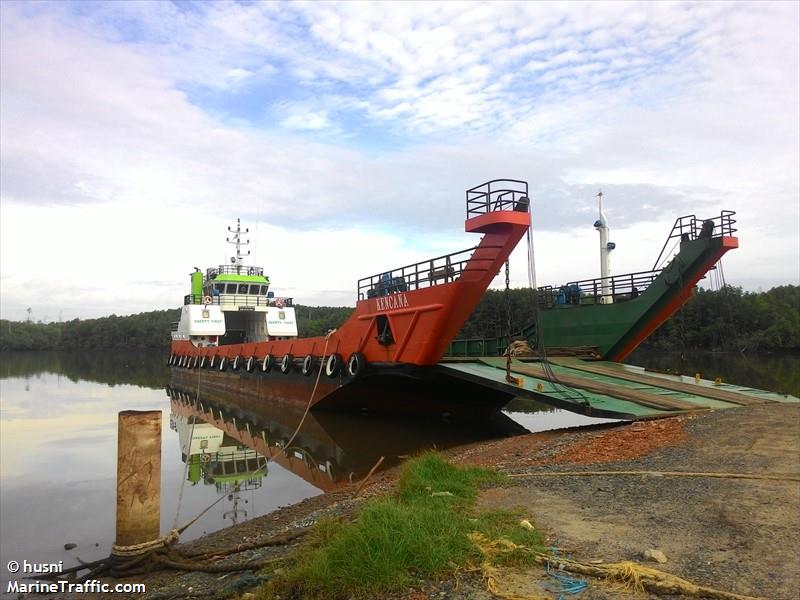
(508, 323)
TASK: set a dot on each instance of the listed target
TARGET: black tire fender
(308, 365)
(333, 365)
(356, 365)
(266, 364)
(286, 363)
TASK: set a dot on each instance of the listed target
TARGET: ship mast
(238, 242)
(605, 252)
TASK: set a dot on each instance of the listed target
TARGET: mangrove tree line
(728, 319)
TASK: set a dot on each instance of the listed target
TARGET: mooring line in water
(768, 477)
(188, 457)
(184, 527)
(139, 554)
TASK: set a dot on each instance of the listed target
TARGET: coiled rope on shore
(630, 575)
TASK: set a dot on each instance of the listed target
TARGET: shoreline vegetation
(421, 531)
(726, 320)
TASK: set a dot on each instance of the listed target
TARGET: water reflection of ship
(331, 450)
(217, 459)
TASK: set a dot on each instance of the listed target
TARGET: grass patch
(418, 533)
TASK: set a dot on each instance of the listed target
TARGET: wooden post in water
(138, 477)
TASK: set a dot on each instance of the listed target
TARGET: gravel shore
(738, 535)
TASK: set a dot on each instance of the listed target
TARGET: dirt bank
(739, 535)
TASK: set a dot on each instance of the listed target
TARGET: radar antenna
(238, 242)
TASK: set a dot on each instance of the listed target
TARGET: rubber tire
(222, 362)
(267, 363)
(286, 363)
(170, 360)
(308, 365)
(202, 364)
(250, 364)
(333, 365)
(237, 362)
(356, 365)
(212, 362)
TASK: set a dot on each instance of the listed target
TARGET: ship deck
(606, 389)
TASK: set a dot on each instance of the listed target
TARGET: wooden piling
(138, 477)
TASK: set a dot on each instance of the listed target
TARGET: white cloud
(106, 144)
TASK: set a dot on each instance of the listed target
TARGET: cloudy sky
(344, 135)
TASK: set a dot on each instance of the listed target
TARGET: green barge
(608, 317)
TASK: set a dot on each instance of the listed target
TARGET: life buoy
(308, 365)
(333, 365)
(286, 363)
(207, 300)
(250, 364)
(356, 365)
(266, 364)
(279, 303)
(205, 457)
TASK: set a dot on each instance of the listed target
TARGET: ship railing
(427, 273)
(212, 273)
(496, 195)
(618, 288)
(229, 300)
(689, 227)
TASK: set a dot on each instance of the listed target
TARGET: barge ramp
(605, 389)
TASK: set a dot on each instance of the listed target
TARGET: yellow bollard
(138, 477)
(697, 377)
(718, 381)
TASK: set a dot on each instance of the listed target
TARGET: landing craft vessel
(242, 337)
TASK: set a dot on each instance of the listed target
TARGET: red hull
(423, 321)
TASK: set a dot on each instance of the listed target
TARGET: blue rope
(565, 585)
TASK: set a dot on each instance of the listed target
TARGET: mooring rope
(186, 451)
(755, 476)
(235, 489)
(174, 534)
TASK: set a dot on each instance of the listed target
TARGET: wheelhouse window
(231, 288)
(220, 288)
(242, 288)
(254, 289)
(264, 289)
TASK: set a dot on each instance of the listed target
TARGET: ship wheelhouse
(232, 304)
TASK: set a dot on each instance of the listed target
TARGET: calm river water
(58, 421)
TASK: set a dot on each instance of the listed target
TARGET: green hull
(615, 329)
